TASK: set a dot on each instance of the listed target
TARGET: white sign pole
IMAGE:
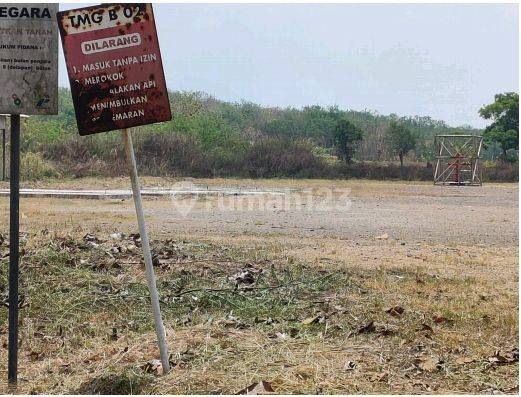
(151, 278)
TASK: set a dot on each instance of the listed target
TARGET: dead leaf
(464, 360)
(90, 238)
(267, 321)
(117, 236)
(509, 357)
(243, 277)
(231, 321)
(35, 356)
(367, 329)
(340, 309)
(428, 364)
(386, 330)
(93, 358)
(395, 311)
(381, 377)
(153, 367)
(317, 319)
(258, 388)
(131, 248)
(349, 366)
(181, 359)
(279, 336)
(155, 259)
(116, 249)
(64, 366)
(426, 328)
(304, 371)
(293, 332)
(136, 238)
(438, 319)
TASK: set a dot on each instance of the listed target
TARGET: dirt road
(360, 223)
(351, 210)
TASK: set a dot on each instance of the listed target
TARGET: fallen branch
(234, 290)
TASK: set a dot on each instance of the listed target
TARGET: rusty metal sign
(114, 67)
(28, 59)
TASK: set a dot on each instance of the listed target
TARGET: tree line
(210, 137)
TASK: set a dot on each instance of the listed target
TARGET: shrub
(272, 157)
(162, 153)
(171, 154)
(381, 171)
(86, 156)
(501, 172)
(33, 167)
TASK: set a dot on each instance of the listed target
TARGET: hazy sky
(444, 61)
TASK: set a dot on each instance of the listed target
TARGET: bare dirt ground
(421, 292)
(350, 210)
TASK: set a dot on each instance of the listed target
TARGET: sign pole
(133, 92)
(145, 244)
(14, 226)
(3, 154)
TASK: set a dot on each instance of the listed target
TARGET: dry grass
(87, 327)
(149, 181)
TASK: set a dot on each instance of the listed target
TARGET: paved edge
(124, 194)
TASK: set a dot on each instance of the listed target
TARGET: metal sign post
(3, 127)
(117, 82)
(145, 244)
(14, 227)
(29, 81)
(3, 154)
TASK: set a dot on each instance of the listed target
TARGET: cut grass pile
(237, 315)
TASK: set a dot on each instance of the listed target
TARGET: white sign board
(28, 59)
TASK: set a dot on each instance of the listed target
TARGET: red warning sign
(114, 66)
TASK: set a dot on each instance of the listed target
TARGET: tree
(402, 139)
(346, 137)
(504, 113)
